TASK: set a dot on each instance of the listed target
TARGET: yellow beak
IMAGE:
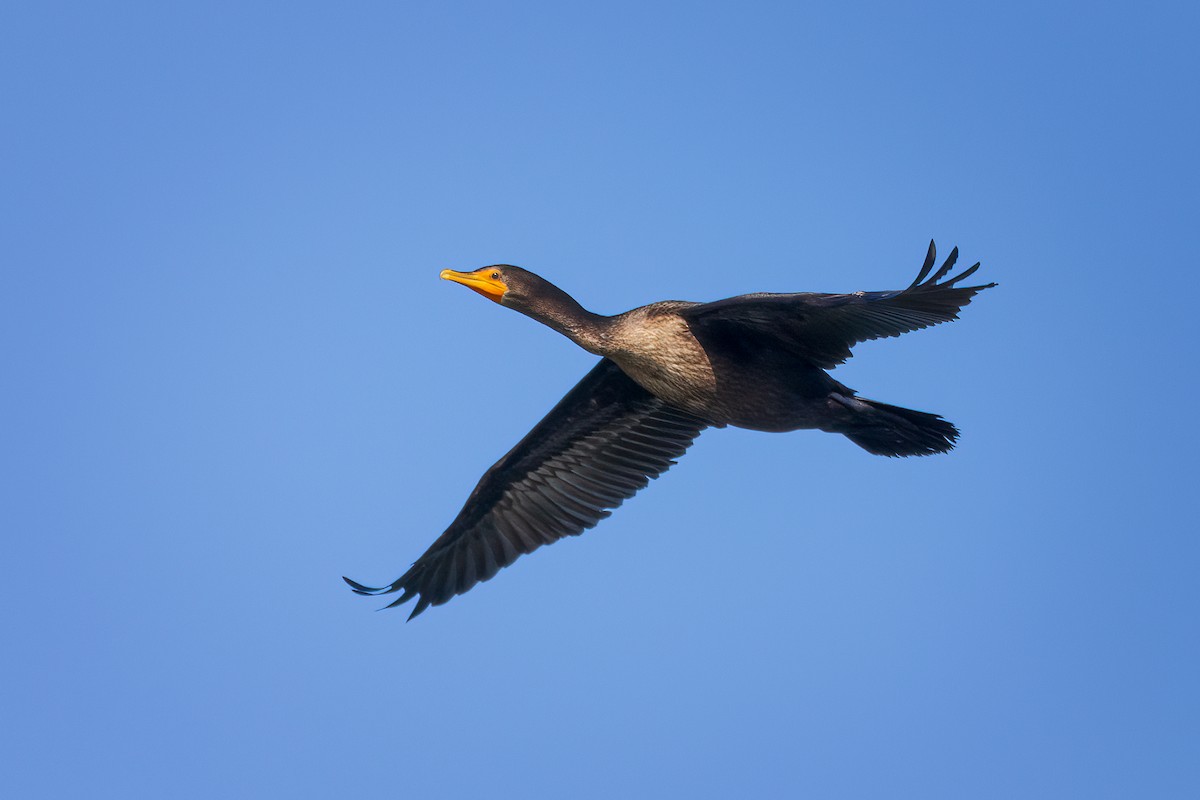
(486, 281)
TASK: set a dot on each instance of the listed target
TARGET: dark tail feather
(893, 431)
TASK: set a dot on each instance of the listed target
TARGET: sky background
(231, 375)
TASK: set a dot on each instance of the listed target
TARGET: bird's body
(728, 382)
(669, 370)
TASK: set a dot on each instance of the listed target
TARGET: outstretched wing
(602, 443)
(823, 327)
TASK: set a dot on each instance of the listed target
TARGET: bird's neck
(592, 332)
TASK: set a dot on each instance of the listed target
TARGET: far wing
(602, 443)
(823, 327)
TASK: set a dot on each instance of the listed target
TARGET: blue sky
(232, 376)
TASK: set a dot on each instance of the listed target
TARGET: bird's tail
(893, 431)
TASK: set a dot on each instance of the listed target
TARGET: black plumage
(822, 328)
(602, 443)
(668, 370)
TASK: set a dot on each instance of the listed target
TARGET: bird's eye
(495, 276)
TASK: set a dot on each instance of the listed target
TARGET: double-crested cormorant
(669, 370)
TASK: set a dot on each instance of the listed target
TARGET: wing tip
(933, 282)
(359, 588)
(930, 260)
(422, 604)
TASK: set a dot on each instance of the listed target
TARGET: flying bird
(667, 371)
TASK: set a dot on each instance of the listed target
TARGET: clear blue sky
(231, 376)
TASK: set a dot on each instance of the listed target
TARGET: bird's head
(510, 286)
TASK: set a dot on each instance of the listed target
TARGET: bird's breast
(661, 354)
